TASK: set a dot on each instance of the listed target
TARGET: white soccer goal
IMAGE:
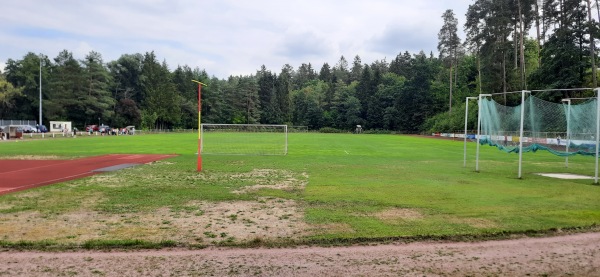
(244, 139)
(566, 128)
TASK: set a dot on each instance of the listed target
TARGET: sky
(226, 37)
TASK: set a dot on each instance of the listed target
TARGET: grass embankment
(330, 188)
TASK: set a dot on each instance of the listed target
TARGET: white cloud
(82, 49)
(226, 36)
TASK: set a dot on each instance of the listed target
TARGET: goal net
(244, 139)
(563, 127)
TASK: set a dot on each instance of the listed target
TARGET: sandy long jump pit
(16, 175)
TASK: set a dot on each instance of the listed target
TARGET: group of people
(115, 131)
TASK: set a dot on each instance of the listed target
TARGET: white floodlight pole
(597, 131)
(568, 138)
(521, 132)
(479, 129)
(40, 122)
(466, 122)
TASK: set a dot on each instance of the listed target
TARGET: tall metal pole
(466, 122)
(199, 126)
(597, 131)
(568, 138)
(479, 130)
(40, 122)
(521, 132)
(199, 167)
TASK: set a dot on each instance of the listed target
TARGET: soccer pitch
(329, 188)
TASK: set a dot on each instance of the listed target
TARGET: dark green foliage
(161, 100)
(24, 74)
(8, 96)
(329, 130)
(564, 60)
(267, 96)
(127, 113)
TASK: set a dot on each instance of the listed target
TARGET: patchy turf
(330, 188)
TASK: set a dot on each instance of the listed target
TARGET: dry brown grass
(398, 214)
(197, 222)
(270, 179)
(35, 157)
(203, 222)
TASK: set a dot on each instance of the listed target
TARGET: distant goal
(244, 139)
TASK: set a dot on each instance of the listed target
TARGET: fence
(6, 122)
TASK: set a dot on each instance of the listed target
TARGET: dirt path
(569, 255)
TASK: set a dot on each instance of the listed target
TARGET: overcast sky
(226, 37)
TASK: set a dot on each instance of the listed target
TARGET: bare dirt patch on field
(394, 215)
(195, 223)
(202, 223)
(271, 179)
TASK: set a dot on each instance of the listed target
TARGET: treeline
(413, 92)
(139, 90)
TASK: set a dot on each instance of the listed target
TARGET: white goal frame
(521, 136)
(238, 128)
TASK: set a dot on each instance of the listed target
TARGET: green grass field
(350, 188)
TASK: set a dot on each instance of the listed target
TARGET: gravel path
(569, 255)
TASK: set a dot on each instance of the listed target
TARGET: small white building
(60, 126)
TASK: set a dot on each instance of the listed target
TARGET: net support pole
(597, 132)
(521, 133)
(466, 122)
(568, 138)
(479, 129)
(285, 150)
(199, 164)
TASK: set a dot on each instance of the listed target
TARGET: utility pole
(40, 122)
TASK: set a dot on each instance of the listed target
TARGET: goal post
(542, 122)
(244, 139)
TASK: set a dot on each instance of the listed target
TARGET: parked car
(29, 129)
(104, 129)
(43, 129)
(91, 128)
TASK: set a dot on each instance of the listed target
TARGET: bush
(331, 130)
(445, 123)
(379, 132)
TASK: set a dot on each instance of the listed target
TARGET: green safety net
(562, 129)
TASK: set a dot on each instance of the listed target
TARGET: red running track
(16, 175)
